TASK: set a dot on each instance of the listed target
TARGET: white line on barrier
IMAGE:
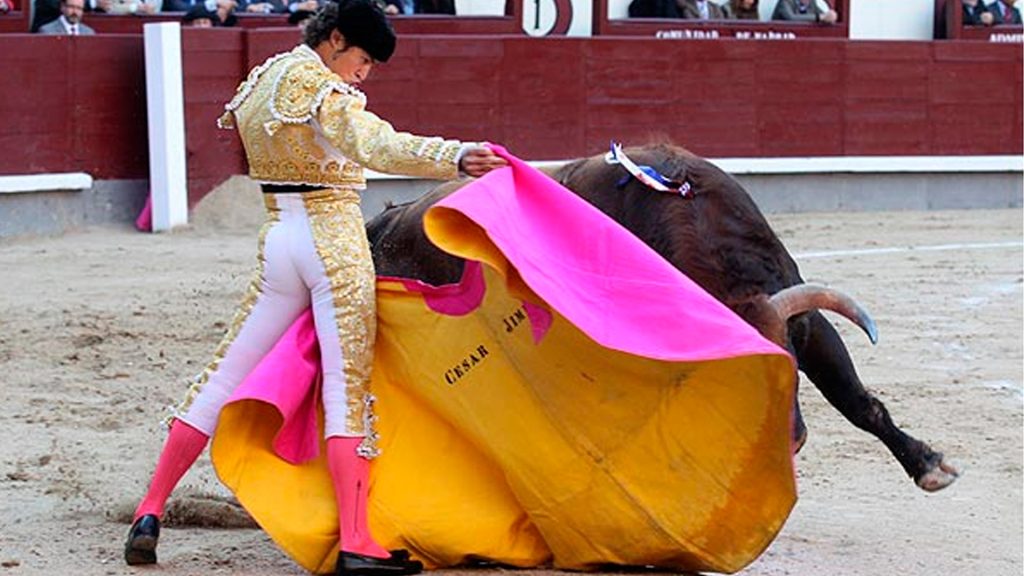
(896, 250)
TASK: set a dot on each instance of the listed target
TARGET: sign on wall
(557, 17)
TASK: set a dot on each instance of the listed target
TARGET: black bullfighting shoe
(399, 564)
(140, 548)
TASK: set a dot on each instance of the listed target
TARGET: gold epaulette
(301, 89)
(297, 92)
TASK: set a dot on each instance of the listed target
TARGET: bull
(717, 237)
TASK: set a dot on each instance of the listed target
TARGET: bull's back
(716, 235)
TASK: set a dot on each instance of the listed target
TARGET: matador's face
(352, 63)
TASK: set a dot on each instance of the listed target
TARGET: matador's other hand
(479, 160)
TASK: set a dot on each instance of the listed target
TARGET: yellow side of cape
(501, 448)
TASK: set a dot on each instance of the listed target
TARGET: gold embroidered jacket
(301, 124)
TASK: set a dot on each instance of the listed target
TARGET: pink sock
(183, 447)
(350, 474)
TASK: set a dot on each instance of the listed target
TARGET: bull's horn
(805, 297)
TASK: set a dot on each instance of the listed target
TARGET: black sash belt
(289, 188)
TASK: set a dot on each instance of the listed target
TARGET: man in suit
(201, 16)
(1004, 12)
(975, 13)
(263, 6)
(701, 10)
(70, 21)
(803, 11)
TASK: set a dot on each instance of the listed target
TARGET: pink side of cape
(144, 221)
(597, 274)
(581, 263)
(286, 378)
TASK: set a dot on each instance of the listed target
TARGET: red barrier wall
(78, 103)
(73, 103)
(214, 62)
(557, 98)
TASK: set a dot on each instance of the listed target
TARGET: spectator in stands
(201, 16)
(49, 10)
(654, 9)
(300, 18)
(394, 7)
(7, 5)
(133, 6)
(1004, 12)
(187, 5)
(701, 10)
(744, 10)
(975, 13)
(804, 11)
(46, 11)
(307, 5)
(70, 20)
(263, 6)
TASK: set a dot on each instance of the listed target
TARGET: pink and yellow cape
(574, 400)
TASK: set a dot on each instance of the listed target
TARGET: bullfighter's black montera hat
(364, 24)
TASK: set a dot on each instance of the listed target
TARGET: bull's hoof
(940, 476)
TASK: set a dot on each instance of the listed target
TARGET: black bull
(717, 237)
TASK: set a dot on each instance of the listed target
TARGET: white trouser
(313, 250)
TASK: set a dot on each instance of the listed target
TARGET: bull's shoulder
(400, 246)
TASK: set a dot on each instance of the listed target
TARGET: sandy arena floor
(98, 331)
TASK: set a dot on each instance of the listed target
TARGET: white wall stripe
(45, 182)
(905, 249)
(835, 165)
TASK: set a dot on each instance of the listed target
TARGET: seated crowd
(978, 13)
(64, 16)
(975, 12)
(793, 10)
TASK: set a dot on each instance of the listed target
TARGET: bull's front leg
(823, 357)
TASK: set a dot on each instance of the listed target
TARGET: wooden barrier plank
(699, 127)
(983, 82)
(957, 131)
(886, 128)
(887, 80)
(35, 154)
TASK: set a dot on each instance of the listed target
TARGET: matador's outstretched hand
(480, 160)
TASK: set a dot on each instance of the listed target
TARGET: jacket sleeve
(363, 137)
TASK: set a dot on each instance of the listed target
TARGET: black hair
(361, 22)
